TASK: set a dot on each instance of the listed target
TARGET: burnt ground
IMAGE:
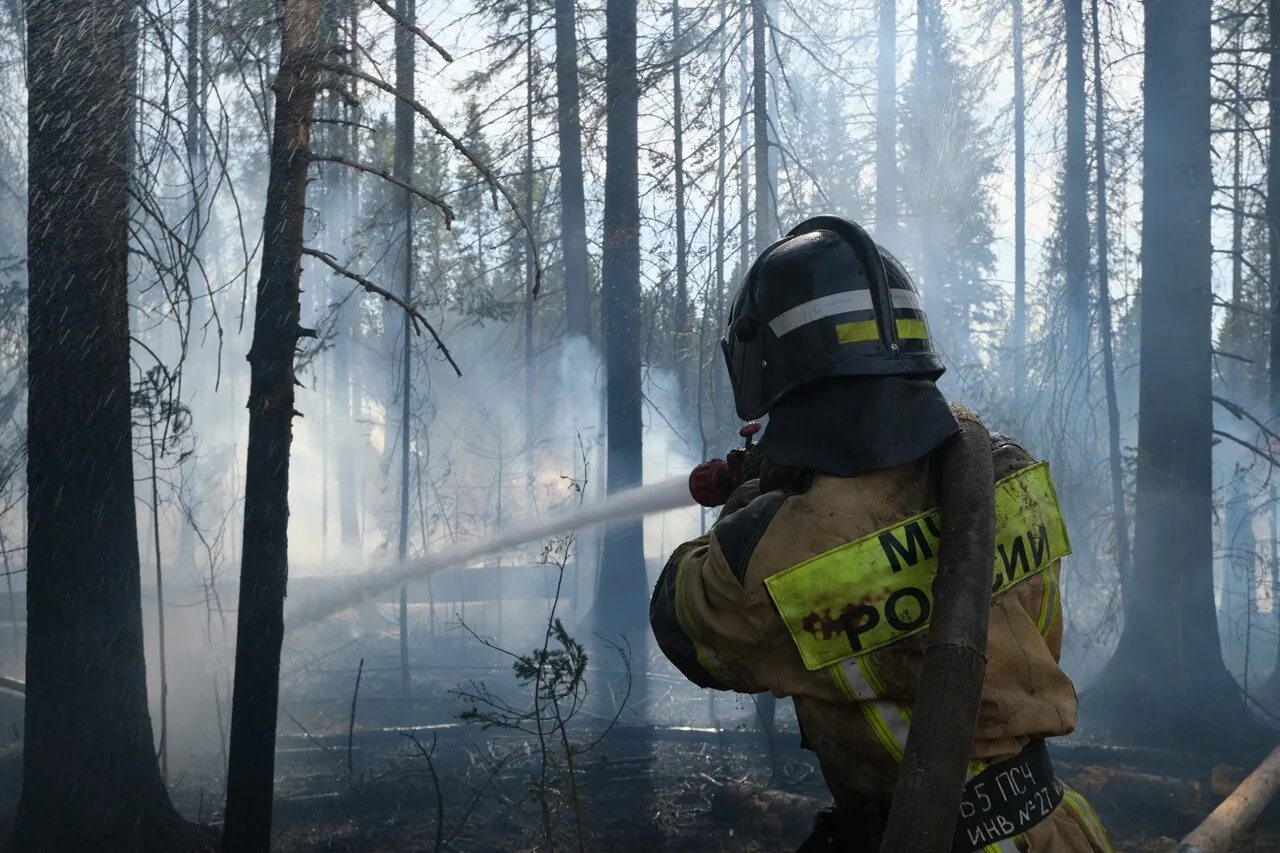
(668, 776)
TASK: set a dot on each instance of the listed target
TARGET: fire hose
(926, 799)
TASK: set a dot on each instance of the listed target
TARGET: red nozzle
(749, 431)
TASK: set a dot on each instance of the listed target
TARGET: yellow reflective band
(867, 330)
(867, 594)
(912, 329)
(857, 332)
(1049, 603)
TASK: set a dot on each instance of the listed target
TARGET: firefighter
(928, 710)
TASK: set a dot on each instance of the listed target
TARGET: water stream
(634, 503)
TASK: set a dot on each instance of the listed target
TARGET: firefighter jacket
(820, 590)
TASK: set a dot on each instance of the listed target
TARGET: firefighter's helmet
(824, 301)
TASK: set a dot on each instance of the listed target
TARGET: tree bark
(682, 346)
(1115, 459)
(1075, 200)
(1272, 210)
(90, 780)
(573, 215)
(276, 331)
(1166, 685)
(403, 169)
(530, 277)
(887, 124)
(623, 586)
(1019, 331)
(766, 228)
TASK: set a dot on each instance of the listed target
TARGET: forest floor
(668, 776)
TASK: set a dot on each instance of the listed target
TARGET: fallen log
(1145, 794)
(1237, 812)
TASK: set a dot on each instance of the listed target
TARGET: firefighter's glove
(746, 462)
(712, 482)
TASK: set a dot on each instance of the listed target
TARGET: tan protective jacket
(715, 619)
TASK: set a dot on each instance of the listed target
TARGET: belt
(1007, 798)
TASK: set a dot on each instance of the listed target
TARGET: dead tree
(573, 216)
(887, 123)
(404, 208)
(276, 332)
(90, 777)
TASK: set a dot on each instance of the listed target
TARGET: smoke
(634, 503)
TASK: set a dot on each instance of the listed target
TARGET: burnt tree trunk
(622, 587)
(682, 333)
(1166, 684)
(1076, 197)
(887, 124)
(264, 567)
(1115, 458)
(1018, 342)
(573, 212)
(403, 167)
(766, 228)
(90, 780)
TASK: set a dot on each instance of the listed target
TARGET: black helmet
(823, 301)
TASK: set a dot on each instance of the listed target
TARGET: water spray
(624, 506)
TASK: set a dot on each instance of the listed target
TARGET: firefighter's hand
(746, 463)
(712, 482)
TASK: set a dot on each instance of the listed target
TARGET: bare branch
(404, 22)
(415, 316)
(439, 203)
(495, 185)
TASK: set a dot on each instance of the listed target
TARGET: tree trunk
(403, 166)
(346, 390)
(1166, 685)
(1119, 516)
(1075, 200)
(766, 229)
(621, 593)
(887, 124)
(682, 347)
(530, 278)
(1273, 198)
(276, 331)
(573, 215)
(90, 780)
(1019, 336)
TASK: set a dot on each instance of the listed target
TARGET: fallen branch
(440, 204)
(414, 315)
(351, 726)
(435, 780)
(1237, 812)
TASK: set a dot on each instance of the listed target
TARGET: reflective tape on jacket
(869, 593)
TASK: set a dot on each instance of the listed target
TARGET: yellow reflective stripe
(892, 724)
(857, 331)
(1050, 602)
(1088, 818)
(912, 329)
(861, 678)
(866, 594)
(684, 615)
(1008, 845)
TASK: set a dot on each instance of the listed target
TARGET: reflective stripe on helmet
(835, 304)
(867, 330)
